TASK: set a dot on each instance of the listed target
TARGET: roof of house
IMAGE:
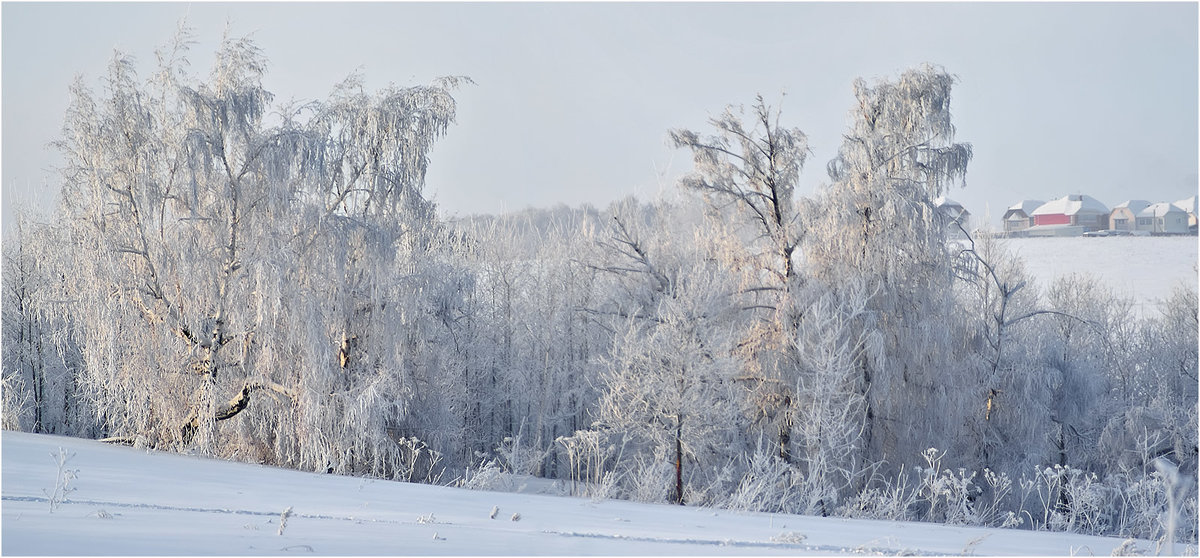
(947, 203)
(1071, 205)
(951, 209)
(1187, 204)
(1160, 209)
(1133, 205)
(1025, 207)
(943, 201)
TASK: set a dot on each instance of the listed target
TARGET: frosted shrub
(609, 488)
(587, 452)
(1144, 504)
(521, 457)
(16, 401)
(769, 485)
(948, 495)
(1177, 487)
(893, 501)
(1186, 529)
(1070, 499)
(1088, 509)
(417, 462)
(956, 497)
(1046, 484)
(650, 481)
(62, 479)
(992, 512)
(718, 485)
(489, 476)
(956, 492)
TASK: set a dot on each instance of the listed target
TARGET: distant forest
(233, 277)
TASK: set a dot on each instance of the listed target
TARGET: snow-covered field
(1143, 268)
(126, 501)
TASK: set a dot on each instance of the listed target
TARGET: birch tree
(876, 221)
(224, 252)
(829, 423)
(41, 364)
(669, 389)
(749, 169)
(530, 371)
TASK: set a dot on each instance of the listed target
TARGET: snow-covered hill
(1145, 269)
(125, 501)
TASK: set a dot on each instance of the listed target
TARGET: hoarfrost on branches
(268, 282)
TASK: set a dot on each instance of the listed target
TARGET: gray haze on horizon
(573, 102)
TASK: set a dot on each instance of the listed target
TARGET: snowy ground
(1144, 268)
(134, 502)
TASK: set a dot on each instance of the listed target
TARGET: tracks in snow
(731, 543)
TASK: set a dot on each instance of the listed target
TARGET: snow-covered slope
(1145, 269)
(129, 501)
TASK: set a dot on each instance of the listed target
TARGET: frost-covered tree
(530, 363)
(222, 252)
(752, 165)
(749, 169)
(829, 423)
(1077, 350)
(41, 364)
(669, 389)
(898, 156)
(876, 222)
(1003, 319)
(25, 350)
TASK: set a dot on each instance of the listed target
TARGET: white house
(1163, 217)
(1189, 205)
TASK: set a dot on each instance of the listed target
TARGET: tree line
(267, 282)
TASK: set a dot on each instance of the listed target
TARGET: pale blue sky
(573, 101)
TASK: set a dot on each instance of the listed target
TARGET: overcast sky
(573, 101)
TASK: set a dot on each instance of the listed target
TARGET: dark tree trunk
(230, 409)
(678, 496)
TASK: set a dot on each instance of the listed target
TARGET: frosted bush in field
(650, 479)
(488, 476)
(892, 500)
(417, 461)
(1144, 505)
(1063, 498)
(63, 477)
(993, 511)
(768, 485)
(948, 494)
(830, 416)
(521, 457)
(16, 401)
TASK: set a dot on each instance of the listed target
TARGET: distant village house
(1163, 217)
(1124, 216)
(952, 214)
(1071, 215)
(1020, 216)
(1079, 214)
